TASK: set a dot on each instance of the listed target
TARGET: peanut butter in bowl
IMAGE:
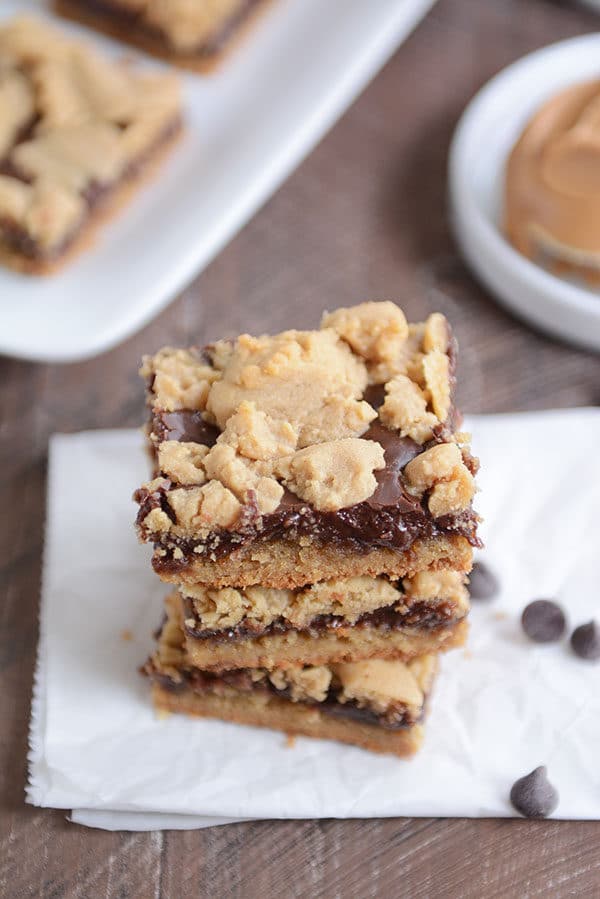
(552, 187)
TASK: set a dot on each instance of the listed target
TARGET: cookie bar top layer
(73, 125)
(343, 435)
(427, 600)
(389, 693)
(199, 28)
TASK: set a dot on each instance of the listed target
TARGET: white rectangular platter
(249, 124)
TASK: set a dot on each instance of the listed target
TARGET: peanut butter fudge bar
(377, 704)
(77, 131)
(309, 455)
(332, 621)
(191, 34)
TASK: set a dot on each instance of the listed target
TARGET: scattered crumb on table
(126, 635)
(290, 741)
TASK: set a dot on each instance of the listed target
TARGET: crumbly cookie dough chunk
(379, 684)
(373, 330)
(442, 473)
(180, 379)
(290, 377)
(335, 474)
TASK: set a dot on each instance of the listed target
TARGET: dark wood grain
(363, 217)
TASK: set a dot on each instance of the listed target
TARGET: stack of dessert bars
(312, 507)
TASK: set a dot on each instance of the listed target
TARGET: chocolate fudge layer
(193, 35)
(309, 455)
(77, 132)
(296, 719)
(365, 640)
(333, 621)
(376, 704)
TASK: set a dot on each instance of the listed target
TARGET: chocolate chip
(585, 641)
(543, 621)
(533, 795)
(483, 583)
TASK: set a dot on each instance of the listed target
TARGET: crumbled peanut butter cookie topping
(334, 474)
(377, 683)
(290, 412)
(441, 471)
(258, 607)
(311, 682)
(180, 379)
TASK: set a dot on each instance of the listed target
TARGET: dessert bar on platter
(191, 34)
(77, 132)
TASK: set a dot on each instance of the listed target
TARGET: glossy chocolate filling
(396, 717)
(19, 240)
(132, 21)
(420, 615)
(390, 518)
(184, 426)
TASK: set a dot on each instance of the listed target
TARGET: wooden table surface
(363, 217)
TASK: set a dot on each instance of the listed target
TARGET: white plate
(484, 137)
(249, 124)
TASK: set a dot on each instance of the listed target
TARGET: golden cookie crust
(285, 564)
(344, 644)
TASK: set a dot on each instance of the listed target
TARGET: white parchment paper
(500, 708)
